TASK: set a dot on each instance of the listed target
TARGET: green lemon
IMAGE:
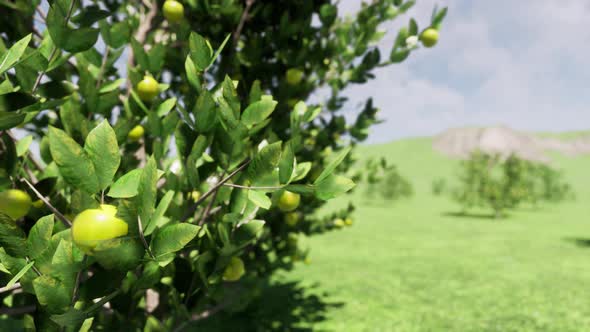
(288, 201)
(429, 37)
(136, 133)
(15, 203)
(235, 270)
(348, 221)
(338, 222)
(173, 11)
(294, 76)
(92, 226)
(148, 88)
(292, 218)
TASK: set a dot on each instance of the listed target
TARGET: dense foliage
(488, 180)
(171, 188)
(383, 180)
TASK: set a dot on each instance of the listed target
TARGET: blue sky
(524, 64)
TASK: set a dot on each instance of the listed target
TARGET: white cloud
(519, 63)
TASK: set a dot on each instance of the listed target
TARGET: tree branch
(18, 310)
(11, 288)
(192, 209)
(238, 32)
(58, 214)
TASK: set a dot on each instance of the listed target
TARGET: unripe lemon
(15, 203)
(294, 76)
(235, 270)
(38, 204)
(147, 89)
(288, 201)
(173, 11)
(292, 218)
(92, 226)
(339, 222)
(195, 195)
(136, 133)
(348, 221)
(429, 37)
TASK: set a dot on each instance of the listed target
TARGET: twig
(31, 158)
(103, 65)
(192, 209)
(77, 284)
(40, 12)
(18, 310)
(28, 260)
(238, 32)
(51, 207)
(11, 288)
(252, 188)
(142, 237)
(205, 213)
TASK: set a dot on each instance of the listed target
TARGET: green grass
(410, 266)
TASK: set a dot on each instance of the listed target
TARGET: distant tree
(487, 180)
(383, 179)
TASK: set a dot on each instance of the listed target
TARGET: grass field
(412, 266)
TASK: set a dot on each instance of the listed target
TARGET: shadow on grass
(473, 215)
(578, 241)
(281, 307)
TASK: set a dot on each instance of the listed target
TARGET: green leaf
(10, 120)
(90, 15)
(258, 112)
(103, 150)
(112, 86)
(20, 274)
(286, 164)
(14, 265)
(191, 74)
(248, 231)
(165, 107)
(139, 54)
(12, 238)
(311, 113)
(332, 186)
(126, 185)
(219, 49)
(259, 198)
(71, 40)
(159, 213)
(52, 294)
(200, 52)
(74, 164)
(255, 92)
(172, 238)
(332, 165)
(14, 54)
(72, 317)
(230, 96)
(22, 146)
(121, 254)
(14, 101)
(439, 17)
(204, 112)
(40, 237)
(301, 171)
(265, 162)
(146, 197)
(413, 27)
